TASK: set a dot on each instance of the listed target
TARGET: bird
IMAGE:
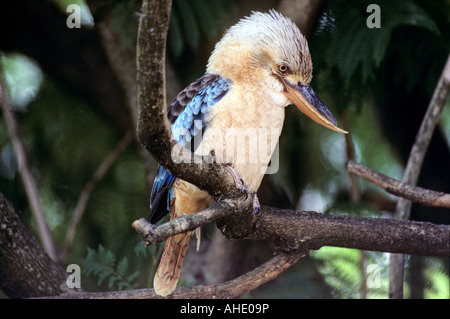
(235, 111)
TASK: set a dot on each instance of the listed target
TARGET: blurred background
(73, 93)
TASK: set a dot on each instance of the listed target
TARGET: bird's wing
(188, 112)
(188, 116)
(161, 189)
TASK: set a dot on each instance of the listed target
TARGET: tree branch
(153, 127)
(154, 234)
(227, 290)
(393, 186)
(25, 269)
(25, 171)
(293, 230)
(423, 138)
(413, 169)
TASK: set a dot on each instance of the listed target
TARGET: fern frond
(102, 263)
(354, 50)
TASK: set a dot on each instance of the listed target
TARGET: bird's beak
(309, 103)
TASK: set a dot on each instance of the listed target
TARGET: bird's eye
(283, 69)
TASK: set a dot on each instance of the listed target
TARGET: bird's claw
(238, 181)
(255, 203)
(242, 189)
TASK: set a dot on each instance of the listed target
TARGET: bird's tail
(169, 268)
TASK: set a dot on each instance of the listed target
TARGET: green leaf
(350, 55)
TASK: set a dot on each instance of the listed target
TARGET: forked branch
(416, 194)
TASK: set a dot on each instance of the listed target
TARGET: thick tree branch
(153, 127)
(292, 230)
(25, 269)
(416, 194)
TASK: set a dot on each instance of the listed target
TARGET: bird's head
(268, 51)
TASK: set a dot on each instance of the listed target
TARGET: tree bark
(25, 269)
(296, 229)
(292, 230)
(413, 193)
(227, 290)
(153, 127)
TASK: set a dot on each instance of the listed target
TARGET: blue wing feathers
(193, 118)
(161, 189)
(188, 115)
(163, 179)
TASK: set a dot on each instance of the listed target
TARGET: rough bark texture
(292, 230)
(295, 229)
(153, 126)
(227, 290)
(25, 269)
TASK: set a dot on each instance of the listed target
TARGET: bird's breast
(243, 131)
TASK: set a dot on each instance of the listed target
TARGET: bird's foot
(243, 189)
(237, 180)
(255, 203)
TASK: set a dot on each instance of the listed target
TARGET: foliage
(343, 271)
(102, 263)
(346, 270)
(124, 21)
(437, 278)
(66, 141)
(350, 53)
